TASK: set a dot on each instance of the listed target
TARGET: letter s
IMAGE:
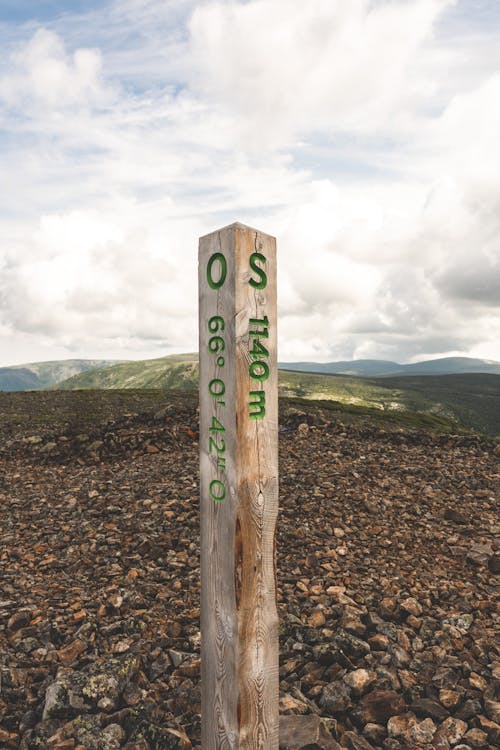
(259, 271)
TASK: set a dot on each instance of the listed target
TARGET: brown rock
(476, 738)
(491, 728)
(452, 514)
(316, 619)
(8, 739)
(354, 741)
(70, 653)
(379, 705)
(19, 619)
(411, 607)
(359, 680)
(302, 732)
(375, 733)
(449, 698)
(428, 707)
(492, 710)
(398, 726)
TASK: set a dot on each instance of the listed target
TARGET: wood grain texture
(238, 588)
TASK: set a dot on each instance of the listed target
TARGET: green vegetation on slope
(445, 401)
(179, 371)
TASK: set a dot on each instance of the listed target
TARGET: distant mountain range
(385, 368)
(40, 375)
(447, 394)
(152, 373)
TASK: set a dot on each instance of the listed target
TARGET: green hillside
(179, 371)
(446, 402)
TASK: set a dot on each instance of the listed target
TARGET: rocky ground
(388, 557)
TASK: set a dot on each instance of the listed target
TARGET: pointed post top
(237, 225)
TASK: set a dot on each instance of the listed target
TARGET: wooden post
(239, 489)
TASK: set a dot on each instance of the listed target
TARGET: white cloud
(318, 66)
(44, 74)
(363, 135)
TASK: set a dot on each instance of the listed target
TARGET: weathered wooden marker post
(239, 489)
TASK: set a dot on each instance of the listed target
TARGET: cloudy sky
(363, 134)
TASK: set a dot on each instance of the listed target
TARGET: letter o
(217, 490)
(221, 260)
(216, 387)
(259, 370)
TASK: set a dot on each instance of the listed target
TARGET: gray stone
(452, 730)
(99, 684)
(336, 698)
(421, 733)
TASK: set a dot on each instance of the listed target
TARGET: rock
(336, 698)
(139, 745)
(8, 739)
(113, 733)
(479, 554)
(421, 733)
(494, 563)
(354, 741)
(452, 514)
(477, 682)
(411, 606)
(429, 707)
(375, 733)
(70, 653)
(451, 730)
(176, 739)
(449, 698)
(74, 692)
(398, 726)
(491, 728)
(316, 619)
(359, 680)
(305, 733)
(28, 721)
(445, 678)
(469, 709)
(48, 447)
(476, 738)
(94, 446)
(290, 705)
(492, 710)
(379, 705)
(400, 657)
(19, 619)
(462, 623)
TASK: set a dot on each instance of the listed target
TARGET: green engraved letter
(259, 271)
(257, 405)
(219, 258)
